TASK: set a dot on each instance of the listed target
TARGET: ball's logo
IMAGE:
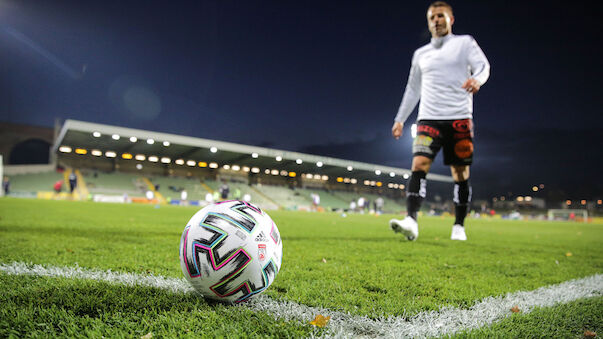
(262, 252)
(463, 148)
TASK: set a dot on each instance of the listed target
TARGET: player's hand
(397, 130)
(471, 85)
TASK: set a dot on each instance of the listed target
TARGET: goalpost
(568, 214)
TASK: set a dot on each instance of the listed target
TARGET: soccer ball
(230, 251)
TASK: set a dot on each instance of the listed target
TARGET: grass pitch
(352, 264)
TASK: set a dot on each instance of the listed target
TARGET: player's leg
(417, 185)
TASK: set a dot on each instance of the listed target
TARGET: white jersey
(437, 72)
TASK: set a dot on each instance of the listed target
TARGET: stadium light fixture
(133, 139)
(153, 158)
(138, 166)
(541, 186)
(319, 164)
(528, 198)
(126, 156)
(350, 168)
(267, 171)
(202, 164)
(274, 172)
(520, 198)
(96, 134)
(115, 137)
(402, 186)
(582, 202)
(568, 202)
(599, 202)
(140, 157)
(392, 174)
(390, 185)
(379, 184)
(255, 170)
(150, 141)
(292, 174)
(213, 149)
(377, 172)
(346, 180)
(166, 143)
(373, 183)
(81, 151)
(166, 160)
(236, 167)
(226, 167)
(246, 169)
(191, 163)
(254, 155)
(279, 158)
(325, 178)
(179, 161)
(413, 130)
(405, 176)
(96, 153)
(299, 161)
(367, 182)
(535, 188)
(339, 179)
(110, 154)
(284, 173)
(309, 176)
(353, 181)
(213, 165)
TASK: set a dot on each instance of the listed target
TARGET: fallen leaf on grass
(515, 309)
(590, 334)
(147, 336)
(320, 320)
(568, 254)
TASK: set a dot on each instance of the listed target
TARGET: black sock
(415, 193)
(462, 198)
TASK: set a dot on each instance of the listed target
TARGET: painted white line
(446, 321)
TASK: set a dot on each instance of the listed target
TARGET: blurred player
(444, 75)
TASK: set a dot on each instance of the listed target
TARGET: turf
(353, 264)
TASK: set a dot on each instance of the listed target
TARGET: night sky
(321, 77)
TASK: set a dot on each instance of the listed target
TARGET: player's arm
(411, 97)
(480, 67)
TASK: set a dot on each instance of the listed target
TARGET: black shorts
(455, 136)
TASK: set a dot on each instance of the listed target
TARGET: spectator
(58, 186)
(72, 182)
(183, 198)
(224, 190)
(6, 185)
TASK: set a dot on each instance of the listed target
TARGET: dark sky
(323, 77)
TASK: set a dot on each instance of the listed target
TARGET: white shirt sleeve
(412, 93)
(480, 67)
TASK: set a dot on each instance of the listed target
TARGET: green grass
(368, 270)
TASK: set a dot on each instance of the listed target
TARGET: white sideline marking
(447, 320)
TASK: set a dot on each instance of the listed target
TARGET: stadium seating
(29, 184)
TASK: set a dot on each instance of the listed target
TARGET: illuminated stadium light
(153, 158)
(191, 163)
(179, 161)
(126, 156)
(405, 176)
(502, 198)
(413, 131)
(392, 174)
(520, 199)
(133, 139)
(379, 184)
(350, 168)
(309, 176)
(299, 161)
(96, 153)
(599, 202)
(226, 167)
(267, 171)
(213, 165)
(110, 154)
(236, 167)
(166, 143)
(115, 137)
(535, 188)
(166, 160)
(81, 151)
(367, 182)
(528, 198)
(254, 155)
(292, 174)
(390, 185)
(541, 186)
(96, 134)
(568, 202)
(325, 178)
(373, 183)
(150, 141)
(378, 172)
(140, 157)
(279, 158)
(402, 186)
(246, 169)
(213, 149)
(319, 164)
(255, 170)
(274, 172)
(353, 181)
(202, 164)
(284, 173)
(583, 202)
(138, 166)
(346, 180)
(339, 179)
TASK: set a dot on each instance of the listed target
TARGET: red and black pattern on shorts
(462, 136)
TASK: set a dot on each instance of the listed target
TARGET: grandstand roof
(76, 133)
